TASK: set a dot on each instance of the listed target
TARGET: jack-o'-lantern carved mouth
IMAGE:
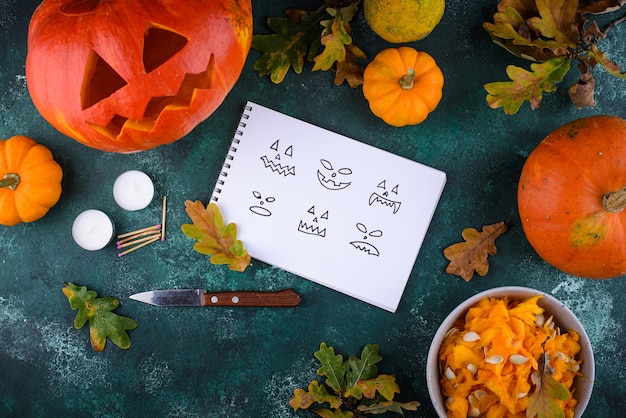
(102, 82)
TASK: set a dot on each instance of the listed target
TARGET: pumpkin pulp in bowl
(507, 350)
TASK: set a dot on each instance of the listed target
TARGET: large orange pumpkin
(129, 75)
(572, 195)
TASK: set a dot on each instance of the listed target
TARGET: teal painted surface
(247, 362)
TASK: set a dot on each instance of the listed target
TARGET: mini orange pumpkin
(130, 75)
(402, 85)
(30, 180)
(572, 195)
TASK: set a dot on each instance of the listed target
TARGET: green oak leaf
(333, 367)
(383, 384)
(357, 386)
(288, 46)
(526, 85)
(103, 323)
(337, 413)
(214, 237)
(389, 406)
(302, 399)
(365, 367)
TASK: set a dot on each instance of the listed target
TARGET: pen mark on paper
(333, 179)
(364, 246)
(314, 227)
(276, 164)
(260, 208)
(383, 198)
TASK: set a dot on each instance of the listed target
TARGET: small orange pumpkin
(30, 180)
(402, 85)
(572, 195)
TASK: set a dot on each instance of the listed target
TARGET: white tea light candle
(92, 230)
(133, 190)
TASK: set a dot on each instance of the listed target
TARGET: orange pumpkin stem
(407, 81)
(614, 201)
(10, 181)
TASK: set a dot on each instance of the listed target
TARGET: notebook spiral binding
(229, 156)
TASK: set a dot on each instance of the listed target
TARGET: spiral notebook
(325, 207)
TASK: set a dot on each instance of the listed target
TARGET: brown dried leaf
(471, 256)
(581, 93)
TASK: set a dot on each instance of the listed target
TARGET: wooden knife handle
(283, 298)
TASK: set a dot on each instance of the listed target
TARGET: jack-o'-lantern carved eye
(159, 45)
(100, 81)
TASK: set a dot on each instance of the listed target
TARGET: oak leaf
(471, 256)
(526, 85)
(544, 401)
(356, 385)
(550, 33)
(103, 323)
(215, 238)
(322, 36)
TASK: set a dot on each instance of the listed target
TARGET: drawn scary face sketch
(260, 208)
(281, 161)
(314, 226)
(331, 178)
(363, 245)
(382, 196)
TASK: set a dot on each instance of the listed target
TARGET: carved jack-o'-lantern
(129, 75)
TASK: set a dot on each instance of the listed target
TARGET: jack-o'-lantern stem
(407, 81)
(10, 181)
(614, 201)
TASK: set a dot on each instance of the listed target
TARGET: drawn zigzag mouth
(311, 229)
(285, 170)
(375, 197)
(365, 247)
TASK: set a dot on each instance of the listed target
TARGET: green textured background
(223, 362)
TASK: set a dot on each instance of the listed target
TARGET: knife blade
(201, 297)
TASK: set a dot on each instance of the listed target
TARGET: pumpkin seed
(495, 359)
(518, 359)
(472, 368)
(479, 393)
(521, 394)
(540, 320)
(451, 331)
(471, 336)
(474, 412)
(449, 373)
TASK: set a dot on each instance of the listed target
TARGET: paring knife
(201, 297)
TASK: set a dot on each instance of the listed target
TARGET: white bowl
(563, 317)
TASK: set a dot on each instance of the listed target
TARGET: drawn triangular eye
(395, 189)
(289, 151)
(275, 146)
(312, 210)
(325, 215)
(382, 184)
